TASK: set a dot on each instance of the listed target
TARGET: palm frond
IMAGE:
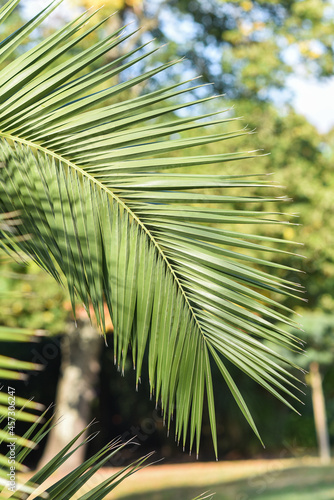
(91, 185)
(12, 407)
(74, 482)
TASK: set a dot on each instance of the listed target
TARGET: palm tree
(89, 174)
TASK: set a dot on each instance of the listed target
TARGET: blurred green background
(249, 51)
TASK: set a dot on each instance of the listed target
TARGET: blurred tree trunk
(80, 367)
(319, 411)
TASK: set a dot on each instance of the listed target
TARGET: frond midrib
(92, 179)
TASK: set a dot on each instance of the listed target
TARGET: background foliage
(252, 45)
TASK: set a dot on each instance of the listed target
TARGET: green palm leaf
(69, 485)
(91, 187)
(12, 407)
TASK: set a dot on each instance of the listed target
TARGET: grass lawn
(278, 479)
(281, 479)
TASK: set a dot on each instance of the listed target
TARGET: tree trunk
(319, 411)
(80, 367)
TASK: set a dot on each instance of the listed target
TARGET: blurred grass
(271, 479)
(280, 479)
